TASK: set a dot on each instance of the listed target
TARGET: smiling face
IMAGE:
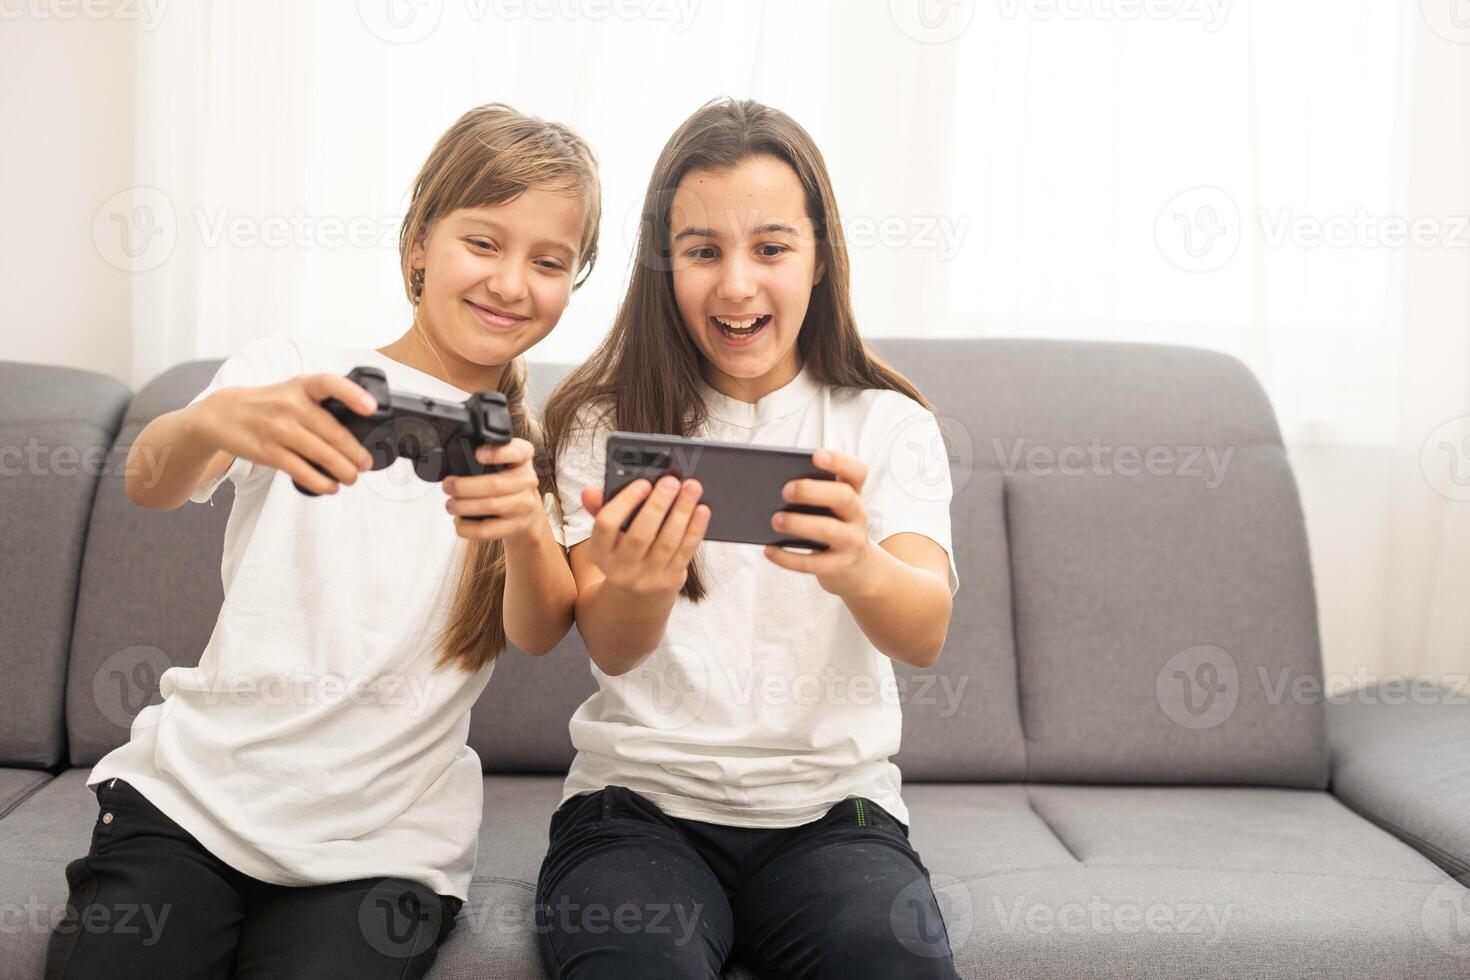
(497, 278)
(744, 261)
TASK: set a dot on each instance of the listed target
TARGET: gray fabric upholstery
(1072, 881)
(1035, 881)
(56, 425)
(1114, 576)
(37, 840)
(17, 784)
(150, 587)
(1401, 758)
(1110, 631)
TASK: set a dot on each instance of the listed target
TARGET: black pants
(628, 891)
(148, 901)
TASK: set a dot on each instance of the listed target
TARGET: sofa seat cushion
(17, 784)
(1035, 881)
(1189, 881)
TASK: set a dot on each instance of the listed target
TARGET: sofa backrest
(1134, 582)
(1155, 566)
(56, 427)
(150, 586)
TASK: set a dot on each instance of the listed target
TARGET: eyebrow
(770, 228)
(498, 229)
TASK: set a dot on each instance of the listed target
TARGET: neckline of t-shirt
(777, 404)
(400, 366)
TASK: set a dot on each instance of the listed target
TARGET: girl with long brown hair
(303, 803)
(732, 795)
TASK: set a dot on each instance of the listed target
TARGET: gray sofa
(1118, 768)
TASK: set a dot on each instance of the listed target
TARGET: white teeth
(744, 324)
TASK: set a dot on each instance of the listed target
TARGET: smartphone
(741, 483)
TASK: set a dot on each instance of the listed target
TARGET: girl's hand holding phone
(652, 557)
(850, 559)
(504, 505)
(284, 426)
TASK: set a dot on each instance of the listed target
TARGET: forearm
(167, 461)
(540, 592)
(903, 610)
(620, 628)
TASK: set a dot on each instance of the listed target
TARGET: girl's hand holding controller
(652, 557)
(285, 426)
(502, 505)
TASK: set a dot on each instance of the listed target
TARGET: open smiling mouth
(742, 328)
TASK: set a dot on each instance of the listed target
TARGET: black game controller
(440, 437)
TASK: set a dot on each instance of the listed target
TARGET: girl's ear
(820, 271)
(417, 253)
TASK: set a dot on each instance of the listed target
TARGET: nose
(507, 282)
(737, 281)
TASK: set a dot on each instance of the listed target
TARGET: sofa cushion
(17, 784)
(1209, 883)
(150, 587)
(56, 426)
(1401, 758)
(1035, 881)
(1159, 576)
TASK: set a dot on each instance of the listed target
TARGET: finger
(840, 497)
(512, 453)
(305, 443)
(693, 535)
(507, 505)
(608, 526)
(849, 469)
(671, 535)
(321, 422)
(592, 499)
(809, 564)
(350, 393)
(518, 480)
(301, 471)
(483, 529)
(814, 527)
(638, 539)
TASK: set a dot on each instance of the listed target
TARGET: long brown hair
(644, 376)
(490, 156)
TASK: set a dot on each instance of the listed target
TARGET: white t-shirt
(765, 703)
(315, 742)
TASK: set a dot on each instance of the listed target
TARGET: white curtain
(1283, 180)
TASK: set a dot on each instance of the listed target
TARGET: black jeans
(628, 891)
(148, 901)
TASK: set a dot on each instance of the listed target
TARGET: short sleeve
(266, 361)
(908, 488)
(581, 463)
